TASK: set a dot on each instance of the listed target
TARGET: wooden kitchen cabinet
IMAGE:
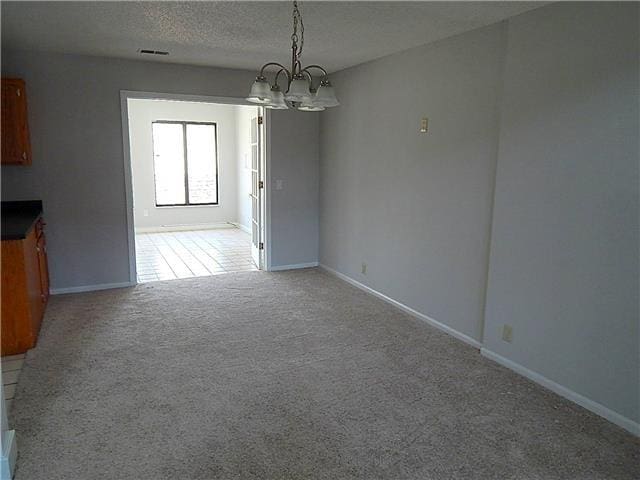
(16, 147)
(25, 290)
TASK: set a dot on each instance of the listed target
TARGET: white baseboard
(421, 316)
(278, 268)
(595, 407)
(91, 288)
(575, 397)
(185, 228)
(244, 228)
(9, 455)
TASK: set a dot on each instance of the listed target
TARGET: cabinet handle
(37, 249)
(24, 155)
(18, 92)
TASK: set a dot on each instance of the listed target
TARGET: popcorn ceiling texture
(289, 375)
(243, 34)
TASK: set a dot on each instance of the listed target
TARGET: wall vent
(145, 51)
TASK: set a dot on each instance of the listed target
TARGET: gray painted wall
(416, 207)
(294, 208)
(78, 168)
(564, 251)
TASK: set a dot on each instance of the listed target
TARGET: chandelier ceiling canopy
(302, 91)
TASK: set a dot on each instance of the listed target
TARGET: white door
(257, 189)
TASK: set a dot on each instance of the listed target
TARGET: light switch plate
(507, 333)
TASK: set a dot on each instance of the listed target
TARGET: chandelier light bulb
(277, 99)
(298, 89)
(326, 96)
(260, 91)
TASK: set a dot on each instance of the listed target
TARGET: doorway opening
(195, 194)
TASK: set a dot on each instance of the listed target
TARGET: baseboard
(9, 455)
(278, 268)
(244, 228)
(90, 288)
(595, 407)
(421, 316)
(185, 228)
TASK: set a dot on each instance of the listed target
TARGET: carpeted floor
(292, 375)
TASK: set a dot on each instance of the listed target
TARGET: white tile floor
(195, 253)
(11, 367)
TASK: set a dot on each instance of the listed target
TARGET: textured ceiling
(242, 34)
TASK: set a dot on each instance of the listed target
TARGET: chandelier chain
(297, 20)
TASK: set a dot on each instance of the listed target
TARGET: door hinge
(261, 246)
(260, 184)
(260, 120)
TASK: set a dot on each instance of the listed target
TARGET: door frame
(125, 96)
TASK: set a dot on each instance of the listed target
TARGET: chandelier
(300, 91)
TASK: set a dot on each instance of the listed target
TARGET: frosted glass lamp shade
(298, 89)
(277, 99)
(326, 96)
(308, 105)
(260, 91)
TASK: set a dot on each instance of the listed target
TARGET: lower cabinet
(25, 290)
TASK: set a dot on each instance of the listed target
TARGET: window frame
(186, 164)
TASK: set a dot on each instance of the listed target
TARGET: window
(185, 162)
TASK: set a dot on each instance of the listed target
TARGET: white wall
(78, 165)
(148, 217)
(243, 166)
(564, 136)
(564, 251)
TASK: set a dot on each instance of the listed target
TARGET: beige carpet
(292, 375)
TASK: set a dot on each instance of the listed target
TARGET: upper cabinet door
(16, 149)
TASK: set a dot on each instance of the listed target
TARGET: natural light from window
(185, 172)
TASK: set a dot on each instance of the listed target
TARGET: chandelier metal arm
(278, 74)
(318, 67)
(295, 63)
(303, 72)
(282, 69)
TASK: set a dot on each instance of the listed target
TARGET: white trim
(91, 288)
(128, 185)
(421, 316)
(575, 397)
(186, 228)
(125, 95)
(242, 227)
(279, 268)
(267, 190)
(8, 442)
(595, 407)
(9, 454)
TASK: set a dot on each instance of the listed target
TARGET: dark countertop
(19, 217)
